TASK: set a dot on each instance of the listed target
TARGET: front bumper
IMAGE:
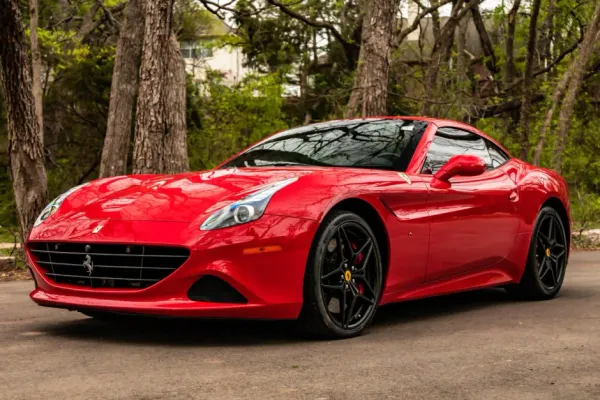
(271, 280)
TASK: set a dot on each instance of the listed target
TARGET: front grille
(107, 265)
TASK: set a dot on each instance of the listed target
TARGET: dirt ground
(479, 345)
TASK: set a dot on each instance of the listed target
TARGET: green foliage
(222, 119)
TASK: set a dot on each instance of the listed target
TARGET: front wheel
(344, 277)
(547, 259)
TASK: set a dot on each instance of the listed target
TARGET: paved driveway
(479, 345)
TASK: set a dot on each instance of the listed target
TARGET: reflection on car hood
(168, 197)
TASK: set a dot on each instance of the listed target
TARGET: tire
(546, 261)
(344, 268)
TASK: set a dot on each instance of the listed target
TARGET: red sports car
(321, 223)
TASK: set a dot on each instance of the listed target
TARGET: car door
(473, 223)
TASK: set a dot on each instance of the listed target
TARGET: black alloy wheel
(551, 252)
(547, 259)
(344, 277)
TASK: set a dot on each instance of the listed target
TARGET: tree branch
(496, 109)
(315, 24)
(557, 60)
(210, 7)
(549, 67)
(415, 24)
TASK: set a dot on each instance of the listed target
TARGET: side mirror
(461, 165)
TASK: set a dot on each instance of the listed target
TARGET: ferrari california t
(321, 223)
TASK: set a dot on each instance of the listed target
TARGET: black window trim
(486, 141)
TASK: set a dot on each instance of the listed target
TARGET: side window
(449, 142)
(497, 156)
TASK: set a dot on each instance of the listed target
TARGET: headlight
(54, 205)
(250, 208)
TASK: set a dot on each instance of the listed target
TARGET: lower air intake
(212, 289)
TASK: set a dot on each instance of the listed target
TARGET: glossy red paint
(473, 232)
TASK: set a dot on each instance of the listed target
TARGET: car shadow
(214, 332)
(441, 306)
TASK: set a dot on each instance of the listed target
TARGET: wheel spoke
(365, 261)
(367, 243)
(543, 239)
(364, 280)
(551, 229)
(556, 257)
(343, 306)
(356, 314)
(365, 298)
(338, 270)
(346, 241)
(554, 277)
(543, 269)
(350, 309)
(334, 287)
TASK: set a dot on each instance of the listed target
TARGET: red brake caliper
(357, 260)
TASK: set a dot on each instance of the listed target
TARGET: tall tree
(370, 91)
(123, 92)
(559, 92)
(509, 65)
(441, 51)
(152, 120)
(175, 143)
(528, 82)
(579, 69)
(25, 153)
(36, 65)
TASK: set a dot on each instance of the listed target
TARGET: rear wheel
(547, 260)
(344, 276)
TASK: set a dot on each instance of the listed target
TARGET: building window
(194, 50)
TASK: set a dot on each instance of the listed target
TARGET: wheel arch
(370, 214)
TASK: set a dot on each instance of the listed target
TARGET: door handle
(513, 196)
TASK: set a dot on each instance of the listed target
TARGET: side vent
(212, 289)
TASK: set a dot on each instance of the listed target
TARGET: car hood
(180, 198)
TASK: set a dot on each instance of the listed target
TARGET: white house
(203, 54)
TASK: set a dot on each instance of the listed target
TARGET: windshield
(372, 143)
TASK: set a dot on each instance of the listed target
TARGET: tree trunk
(435, 20)
(546, 38)
(370, 91)
(175, 153)
(151, 121)
(36, 66)
(579, 69)
(484, 39)
(509, 69)
(441, 51)
(123, 92)
(25, 153)
(528, 82)
(556, 97)
(462, 59)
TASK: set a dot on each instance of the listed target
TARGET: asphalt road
(479, 345)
